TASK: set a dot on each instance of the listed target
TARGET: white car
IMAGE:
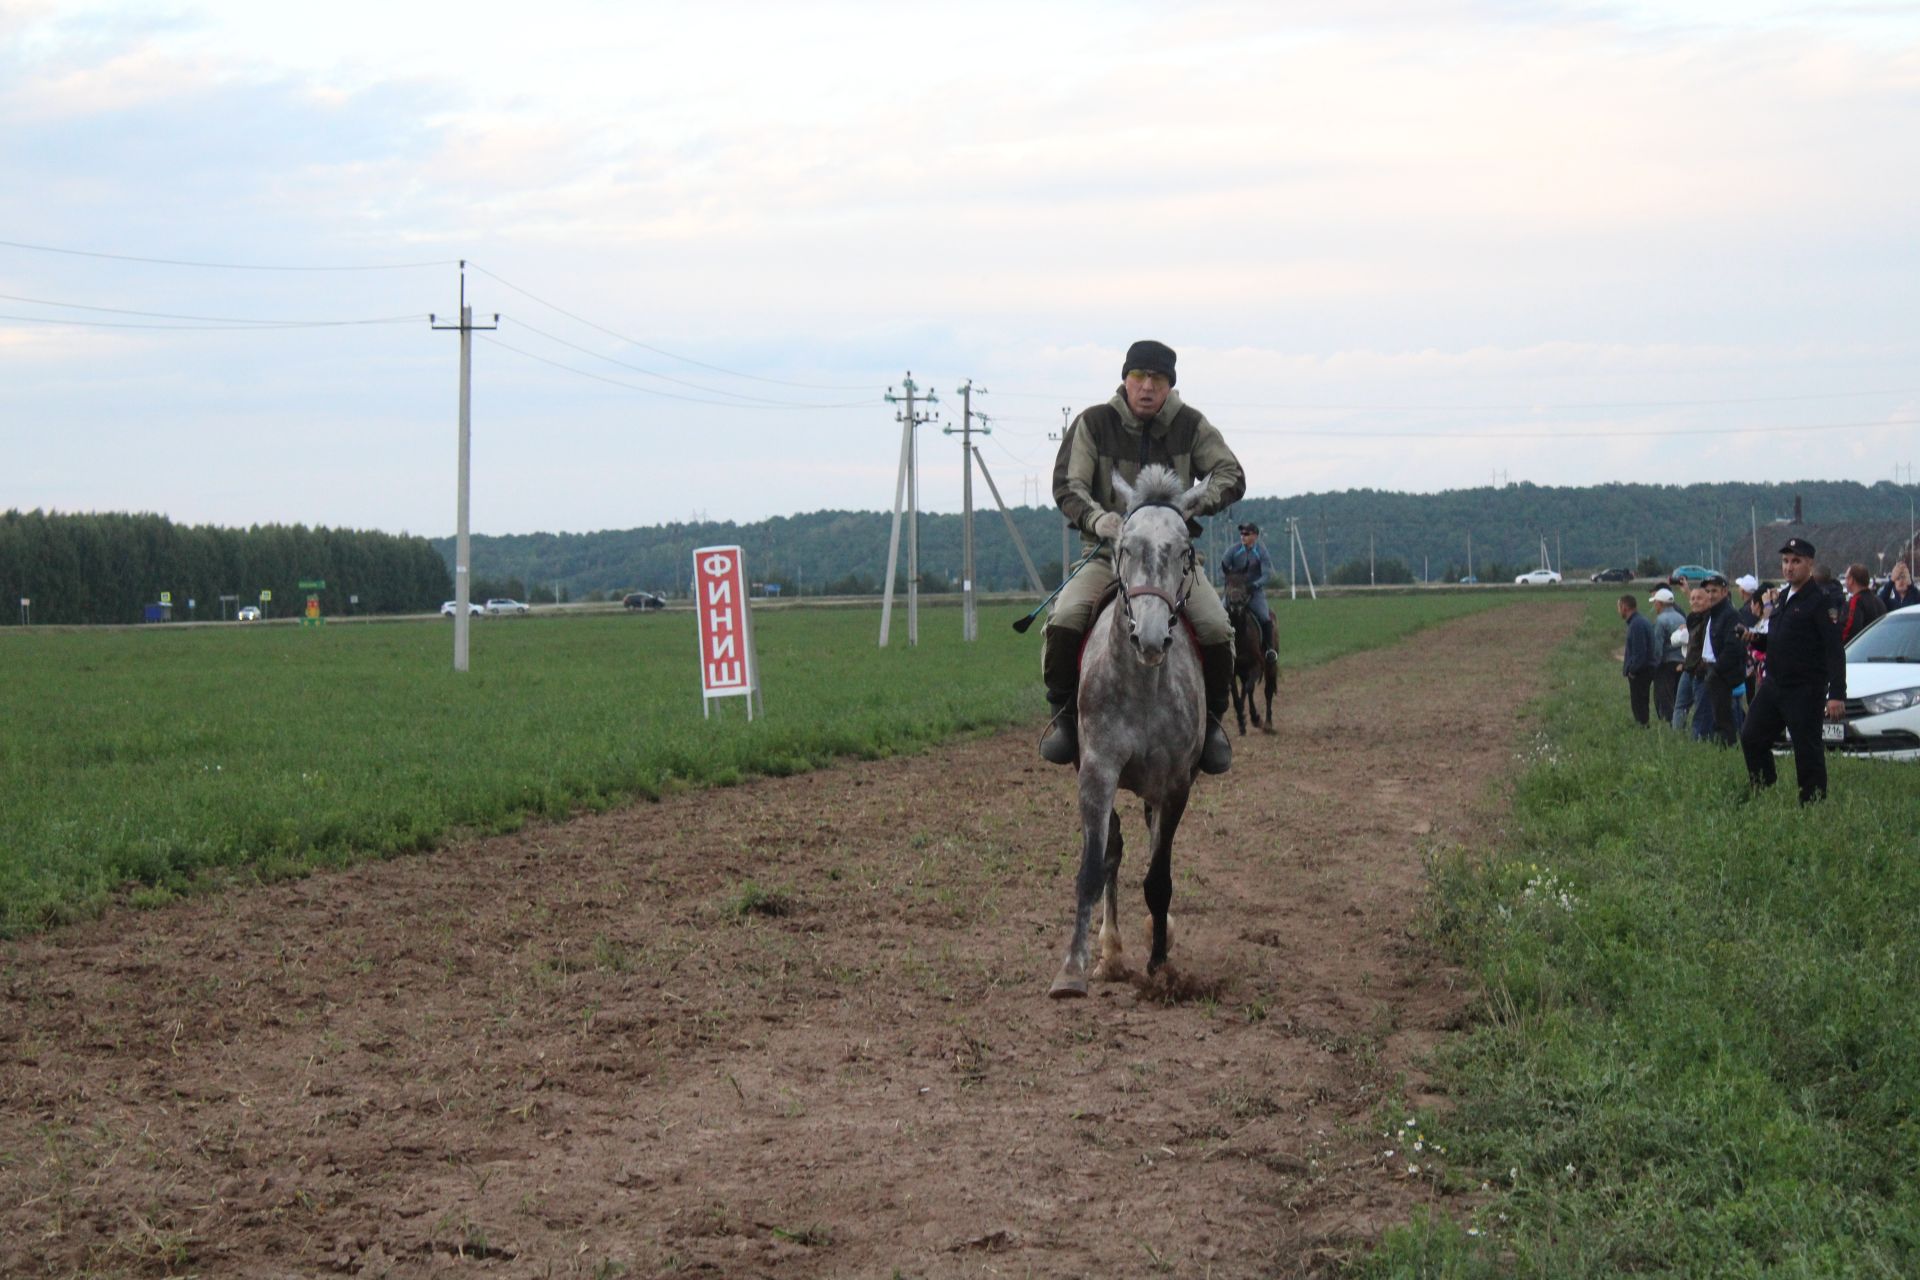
(499, 605)
(452, 607)
(248, 613)
(1883, 689)
(1537, 577)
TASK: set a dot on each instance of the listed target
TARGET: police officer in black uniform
(1806, 676)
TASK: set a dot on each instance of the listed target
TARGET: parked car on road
(1693, 573)
(1882, 718)
(453, 606)
(644, 600)
(248, 613)
(1470, 580)
(500, 604)
(1613, 575)
(1537, 577)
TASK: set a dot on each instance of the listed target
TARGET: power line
(669, 395)
(661, 351)
(240, 327)
(1533, 406)
(664, 377)
(1561, 434)
(222, 320)
(222, 266)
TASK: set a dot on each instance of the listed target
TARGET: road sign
(266, 596)
(313, 584)
(166, 597)
(726, 627)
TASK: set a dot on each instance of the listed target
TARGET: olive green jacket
(1108, 438)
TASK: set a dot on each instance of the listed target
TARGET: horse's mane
(1156, 484)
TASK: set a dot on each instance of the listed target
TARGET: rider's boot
(1266, 636)
(1216, 665)
(1060, 669)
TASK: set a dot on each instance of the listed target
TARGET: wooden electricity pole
(969, 617)
(909, 486)
(462, 545)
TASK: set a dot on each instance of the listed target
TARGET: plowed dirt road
(796, 1028)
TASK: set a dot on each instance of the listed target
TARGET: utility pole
(906, 485)
(969, 618)
(1019, 543)
(1293, 559)
(1370, 578)
(1066, 525)
(462, 543)
(1297, 544)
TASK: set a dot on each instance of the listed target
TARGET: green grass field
(1698, 1053)
(164, 758)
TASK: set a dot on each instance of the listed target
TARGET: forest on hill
(109, 567)
(1350, 535)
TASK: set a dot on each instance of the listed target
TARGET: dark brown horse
(1252, 667)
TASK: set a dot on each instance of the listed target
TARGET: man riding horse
(1145, 422)
(1250, 558)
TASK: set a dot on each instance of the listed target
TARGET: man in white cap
(1669, 629)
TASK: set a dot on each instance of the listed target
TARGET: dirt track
(796, 1028)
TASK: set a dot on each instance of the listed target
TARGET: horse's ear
(1189, 501)
(1125, 490)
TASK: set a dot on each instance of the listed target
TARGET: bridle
(1178, 605)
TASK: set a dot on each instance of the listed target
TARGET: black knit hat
(1154, 357)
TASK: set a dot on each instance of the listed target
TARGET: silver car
(1882, 719)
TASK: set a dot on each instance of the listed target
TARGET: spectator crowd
(1697, 662)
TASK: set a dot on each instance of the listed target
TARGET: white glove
(1107, 527)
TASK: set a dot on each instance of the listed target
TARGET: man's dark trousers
(1666, 687)
(1799, 709)
(1639, 685)
(1720, 698)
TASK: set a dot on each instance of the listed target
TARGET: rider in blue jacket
(1250, 558)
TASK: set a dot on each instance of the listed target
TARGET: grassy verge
(1698, 1052)
(165, 758)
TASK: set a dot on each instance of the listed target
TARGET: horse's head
(1154, 558)
(1236, 592)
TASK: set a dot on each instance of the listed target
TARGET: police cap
(1797, 547)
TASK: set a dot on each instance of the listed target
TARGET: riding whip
(1021, 624)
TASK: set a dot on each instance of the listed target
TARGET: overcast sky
(1400, 246)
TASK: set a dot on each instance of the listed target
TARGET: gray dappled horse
(1252, 667)
(1142, 717)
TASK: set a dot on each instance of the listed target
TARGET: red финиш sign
(726, 637)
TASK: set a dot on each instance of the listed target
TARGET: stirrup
(1061, 745)
(1217, 755)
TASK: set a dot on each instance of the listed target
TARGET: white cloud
(1400, 213)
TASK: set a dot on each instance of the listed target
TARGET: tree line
(108, 567)
(1353, 535)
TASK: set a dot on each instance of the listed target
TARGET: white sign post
(726, 628)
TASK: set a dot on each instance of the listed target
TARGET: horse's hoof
(1266, 728)
(1068, 989)
(1110, 971)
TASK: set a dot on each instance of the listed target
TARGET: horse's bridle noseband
(1187, 570)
